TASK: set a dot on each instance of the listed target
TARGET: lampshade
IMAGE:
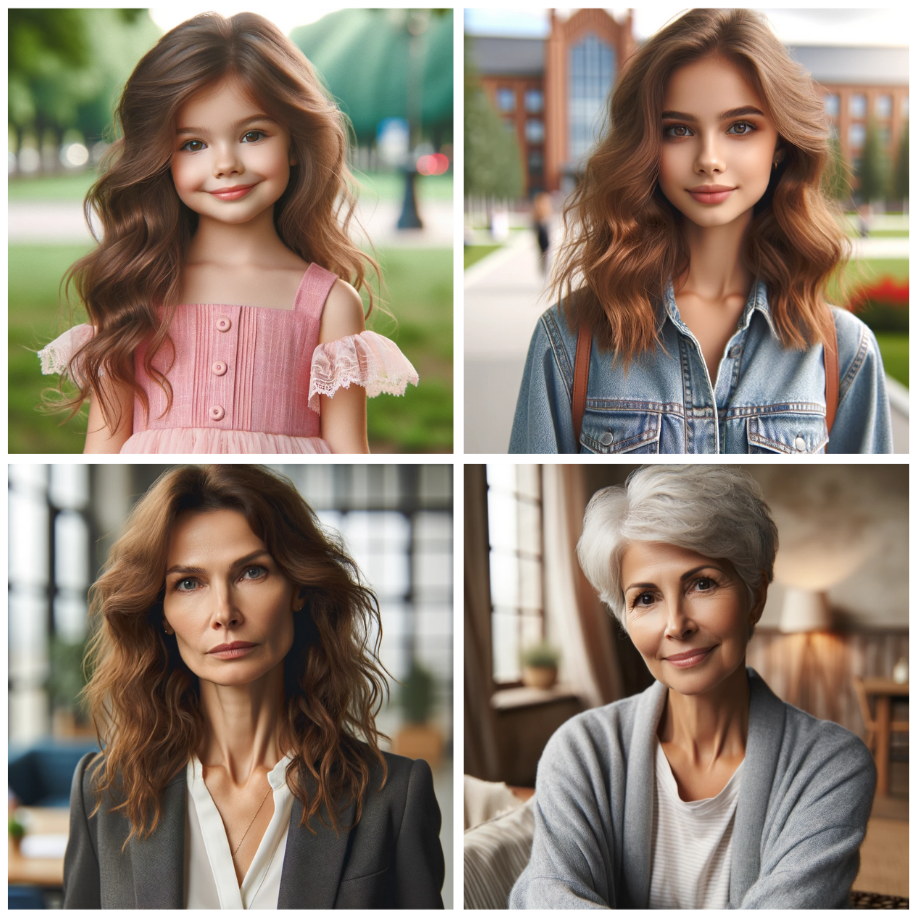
(804, 611)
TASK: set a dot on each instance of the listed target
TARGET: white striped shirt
(692, 843)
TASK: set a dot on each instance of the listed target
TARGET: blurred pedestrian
(541, 214)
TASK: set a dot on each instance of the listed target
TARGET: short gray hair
(715, 510)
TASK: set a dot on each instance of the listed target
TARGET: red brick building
(553, 92)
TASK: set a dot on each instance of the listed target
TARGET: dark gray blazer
(392, 858)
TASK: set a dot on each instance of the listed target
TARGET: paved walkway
(503, 301)
(62, 221)
(502, 305)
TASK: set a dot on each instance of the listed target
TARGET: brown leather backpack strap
(581, 378)
(832, 376)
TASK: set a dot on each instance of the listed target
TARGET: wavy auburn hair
(146, 229)
(144, 700)
(624, 240)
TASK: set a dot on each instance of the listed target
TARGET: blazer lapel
(314, 862)
(158, 863)
(638, 801)
(766, 718)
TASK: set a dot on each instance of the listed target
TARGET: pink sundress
(247, 379)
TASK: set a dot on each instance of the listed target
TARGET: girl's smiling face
(231, 161)
(716, 137)
(223, 587)
(688, 615)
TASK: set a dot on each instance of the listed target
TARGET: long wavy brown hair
(144, 700)
(131, 282)
(623, 237)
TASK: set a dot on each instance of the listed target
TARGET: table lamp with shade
(806, 612)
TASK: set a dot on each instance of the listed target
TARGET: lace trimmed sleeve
(56, 357)
(366, 359)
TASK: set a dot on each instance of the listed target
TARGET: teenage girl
(219, 319)
(692, 314)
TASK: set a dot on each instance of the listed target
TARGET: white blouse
(692, 843)
(210, 877)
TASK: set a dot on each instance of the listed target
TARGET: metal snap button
(800, 444)
(219, 368)
(735, 351)
(223, 323)
(217, 412)
(607, 439)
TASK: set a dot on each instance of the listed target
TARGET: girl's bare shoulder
(343, 313)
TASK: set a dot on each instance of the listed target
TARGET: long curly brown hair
(131, 282)
(623, 237)
(144, 700)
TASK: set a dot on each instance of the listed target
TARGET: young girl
(700, 257)
(219, 322)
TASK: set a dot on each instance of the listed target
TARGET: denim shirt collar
(757, 300)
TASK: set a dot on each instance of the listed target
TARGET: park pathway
(62, 221)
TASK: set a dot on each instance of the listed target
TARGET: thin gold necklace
(249, 824)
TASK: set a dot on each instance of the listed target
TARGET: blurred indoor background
(396, 521)
(67, 68)
(833, 638)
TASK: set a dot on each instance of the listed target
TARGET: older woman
(707, 790)
(235, 689)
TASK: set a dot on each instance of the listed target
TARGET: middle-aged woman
(235, 690)
(706, 790)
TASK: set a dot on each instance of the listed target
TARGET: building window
(857, 135)
(534, 101)
(591, 70)
(832, 104)
(49, 573)
(534, 131)
(857, 106)
(514, 533)
(506, 99)
(884, 107)
(536, 163)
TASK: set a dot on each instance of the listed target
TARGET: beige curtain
(480, 738)
(577, 621)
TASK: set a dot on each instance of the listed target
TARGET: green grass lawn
(387, 186)
(894, 348)
(418, 293)
(888, 234)
(474, 253)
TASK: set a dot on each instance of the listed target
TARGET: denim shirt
(768, 399)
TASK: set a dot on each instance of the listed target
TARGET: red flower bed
(886, 292)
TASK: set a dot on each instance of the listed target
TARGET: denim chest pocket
(791, 434)
(609, 432)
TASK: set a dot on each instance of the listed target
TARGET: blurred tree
(493, 161)
(66, 66)
(836, 182)
(873, 168)
(900, 178)
(363, 55)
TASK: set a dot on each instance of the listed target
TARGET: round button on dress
(223, 323)
(217, 412)
(219, 368)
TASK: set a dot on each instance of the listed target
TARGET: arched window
(591, 75)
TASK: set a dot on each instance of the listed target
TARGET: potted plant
(66, 679)
(539, 664)
(17, 832)
(418, 738)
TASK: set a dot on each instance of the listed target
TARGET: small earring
(166, 629)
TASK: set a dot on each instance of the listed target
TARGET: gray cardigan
(392, 858)
(805, 798)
